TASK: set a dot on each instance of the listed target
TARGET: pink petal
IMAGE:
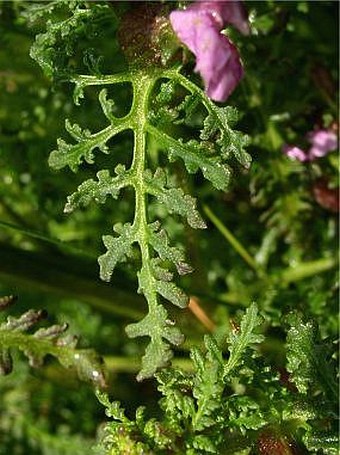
(224, 71)
(323, 142)
(228, 12)
(191, 26)
(217, 59)
(295, 153)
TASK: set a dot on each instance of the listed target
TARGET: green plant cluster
(46, 340)
(230, 403)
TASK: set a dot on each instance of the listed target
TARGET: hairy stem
(101, 80)
(141, 95)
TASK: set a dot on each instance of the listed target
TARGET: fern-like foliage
(56, 47)
(155, 106)
(232, 402)
(196, 409)
(16, 333)
(313, 371)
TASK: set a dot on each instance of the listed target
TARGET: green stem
(306, 270)
(84, 80)
(238, 247)
(142, 91)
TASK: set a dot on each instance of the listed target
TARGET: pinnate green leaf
(15, 333)
(157, 253)
(243, 339)
(208, 384)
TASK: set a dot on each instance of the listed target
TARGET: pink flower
(322, 142)
(217, 59)
(295, 153)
